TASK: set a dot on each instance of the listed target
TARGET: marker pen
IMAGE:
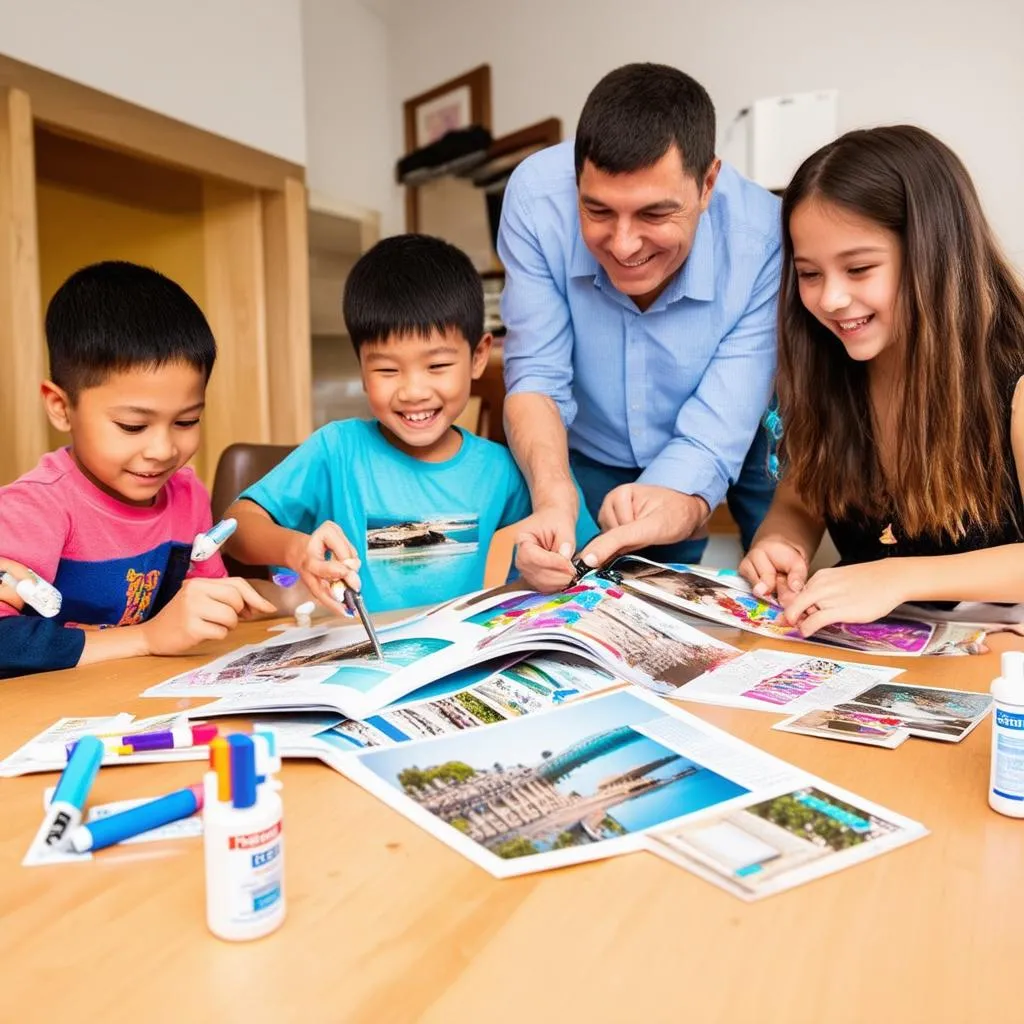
(65, 811)
(99, 834)
(35, 592)
(168, 739)
(206, 545)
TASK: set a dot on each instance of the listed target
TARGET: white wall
(956, 71)
(232, 67)
(351, 125)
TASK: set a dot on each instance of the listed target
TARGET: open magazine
(335, 669)
(633, 619)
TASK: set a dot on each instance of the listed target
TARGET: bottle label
(1007, 720)
(255, 861)
(1008, 760)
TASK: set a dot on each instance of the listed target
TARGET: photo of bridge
(586, 773)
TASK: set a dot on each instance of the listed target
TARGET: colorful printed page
(583, 781)
(728, 601)
(766, 844)
(47, 752)
(333, 669)
(767, 680)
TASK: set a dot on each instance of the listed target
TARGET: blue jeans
(748, 498)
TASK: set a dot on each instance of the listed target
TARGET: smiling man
(640, 297)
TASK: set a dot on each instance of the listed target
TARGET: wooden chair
(239, 466)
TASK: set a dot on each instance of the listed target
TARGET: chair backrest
(239, 466)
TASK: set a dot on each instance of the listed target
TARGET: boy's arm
(29, 644)
(259, 540)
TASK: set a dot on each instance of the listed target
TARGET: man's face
(640, 225)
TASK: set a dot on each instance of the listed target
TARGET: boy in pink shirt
(110, 520)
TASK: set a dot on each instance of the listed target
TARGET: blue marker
(242, 757)
(106, 831)
(206, 545)
(65, 811)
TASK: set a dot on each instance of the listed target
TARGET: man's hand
(544, 549)
(638, 515)
(204, 609)
(319, 572)
(853, 593)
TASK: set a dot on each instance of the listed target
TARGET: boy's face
(133, 431)
(418, 386)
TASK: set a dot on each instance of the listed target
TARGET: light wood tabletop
(385, 923)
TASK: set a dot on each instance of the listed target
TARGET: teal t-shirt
(422, 529)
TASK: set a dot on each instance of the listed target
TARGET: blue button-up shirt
(677, 390)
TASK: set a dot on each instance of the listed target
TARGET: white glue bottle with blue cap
(1006, 781)
(243, 838)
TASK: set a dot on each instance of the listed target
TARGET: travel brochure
(613, 773)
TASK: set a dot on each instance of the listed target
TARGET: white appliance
(780, 132)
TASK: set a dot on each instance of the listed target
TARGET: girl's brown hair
(959, 332)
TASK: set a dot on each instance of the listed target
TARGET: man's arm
(537, 356)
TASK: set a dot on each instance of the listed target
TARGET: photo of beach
(443, 536)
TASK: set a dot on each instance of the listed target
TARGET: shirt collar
(694, 280)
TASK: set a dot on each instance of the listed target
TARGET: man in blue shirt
(640, 296)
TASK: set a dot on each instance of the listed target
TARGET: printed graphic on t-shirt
(419, 541)
(139, 595)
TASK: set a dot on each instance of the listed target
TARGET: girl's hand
(774, 566)
(852, 593)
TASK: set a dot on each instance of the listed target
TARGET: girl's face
(848, 273)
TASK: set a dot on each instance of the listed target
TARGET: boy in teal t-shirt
(407, 498)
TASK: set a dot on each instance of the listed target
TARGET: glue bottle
(242, 838)
(1006, 782)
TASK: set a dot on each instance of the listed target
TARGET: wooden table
(385, 923)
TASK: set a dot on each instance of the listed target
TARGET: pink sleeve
(200, 520)
(34, 528)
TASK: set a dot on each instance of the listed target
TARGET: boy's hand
(319, 572)
(204, 609)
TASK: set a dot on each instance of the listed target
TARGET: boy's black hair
(411, 285)
(636, 112)
(112, 316)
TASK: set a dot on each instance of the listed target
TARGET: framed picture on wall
(457, 103)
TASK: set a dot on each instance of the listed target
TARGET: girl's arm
(783, 547)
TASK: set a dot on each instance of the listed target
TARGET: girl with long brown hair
(901, 345)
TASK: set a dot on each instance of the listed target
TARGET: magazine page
(580, 782)
(782, 683)
(335, 668)
(47, 752)
(849, 726)
(478, 696)
(767, 845)
(717, 600)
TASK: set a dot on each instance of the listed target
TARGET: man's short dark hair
(113, 316)
(636, 112)
(411, 285)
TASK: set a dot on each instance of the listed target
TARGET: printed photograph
(773, 844)
(581, 775)
(853, 726)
